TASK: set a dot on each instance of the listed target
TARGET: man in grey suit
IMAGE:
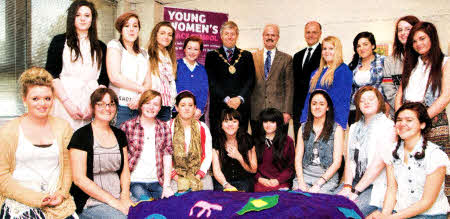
(274, 78)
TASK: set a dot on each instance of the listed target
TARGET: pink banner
(204, 24)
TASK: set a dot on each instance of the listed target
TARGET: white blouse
(362, 77)
(411, 177)
(417, 85)
(379, 144)
(133, 67)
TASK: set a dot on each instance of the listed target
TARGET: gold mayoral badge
(231, 67)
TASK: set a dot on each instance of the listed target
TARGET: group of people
(110, 125)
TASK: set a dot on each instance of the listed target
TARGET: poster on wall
(382, 49)
(204, 24)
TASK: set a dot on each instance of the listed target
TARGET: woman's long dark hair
(423, 117)
(398, 47)
(72, 36)
(355, 59)
(327, 130)
(244, 140)
(433, 58)
(273, 115)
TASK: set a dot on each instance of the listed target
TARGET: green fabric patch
(259, 204)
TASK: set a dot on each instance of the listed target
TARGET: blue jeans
(363, 200)
(165, 114)
(145, 191)
(123, 114)
(101, 211)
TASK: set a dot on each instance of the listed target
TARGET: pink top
(79, 80)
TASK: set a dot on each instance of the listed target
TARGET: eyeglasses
(103, 105)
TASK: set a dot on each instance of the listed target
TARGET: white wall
(149, 13)
(342, 18)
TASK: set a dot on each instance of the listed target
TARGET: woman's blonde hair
(153, 49)
(34, 76)
(328, 77)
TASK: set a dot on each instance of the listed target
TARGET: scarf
(360, 140)
(187, 164)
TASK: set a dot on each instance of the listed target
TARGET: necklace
(231, 67)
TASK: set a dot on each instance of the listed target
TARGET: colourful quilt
(279, 204)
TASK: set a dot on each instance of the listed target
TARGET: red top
(267, 170)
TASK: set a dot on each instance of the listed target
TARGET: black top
(54, 62)
(83, 139)
(231, 168)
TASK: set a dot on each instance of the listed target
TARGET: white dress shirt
(314, 47)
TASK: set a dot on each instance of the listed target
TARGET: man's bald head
(313, 31)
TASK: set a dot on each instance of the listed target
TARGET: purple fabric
(290, 205)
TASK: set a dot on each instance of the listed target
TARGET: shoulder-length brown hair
(98, 95)
(153, 49)
(121, 21)
(433, 58)
(381, 106)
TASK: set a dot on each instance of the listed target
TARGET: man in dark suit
(305, 62)
(231, 76)
(274, 85)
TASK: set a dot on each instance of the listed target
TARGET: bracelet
(224, 184)
(348, 186)
(355, 191)
(323, 179)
